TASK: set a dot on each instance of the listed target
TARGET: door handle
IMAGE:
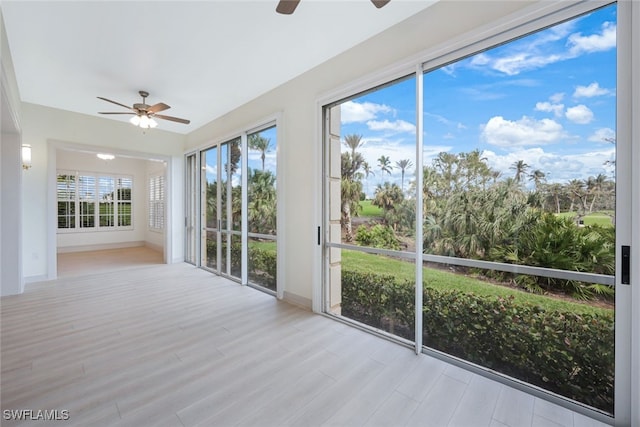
(626, 265)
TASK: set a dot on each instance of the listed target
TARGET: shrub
(378, 236)
(263, 267)
(379, 301)
(563, 352)
(554, 242)
(262, 263)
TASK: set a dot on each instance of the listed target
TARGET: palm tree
(387, 196)
(261, 201)
(521, 168)
(555, 190)
(595, 186)
(384, 163)
(351, 189)
(366, 168)
(403, 165)
(576, 190)
(538, 177)
(353, 141)
(260, 143)
(350, 195)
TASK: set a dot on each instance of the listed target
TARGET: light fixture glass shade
(135, 120)
(26, 156)
(105, 156)
(144, 122)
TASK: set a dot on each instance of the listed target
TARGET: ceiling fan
(286, 7)
(144, 113)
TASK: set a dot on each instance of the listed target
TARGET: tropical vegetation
(472, 211)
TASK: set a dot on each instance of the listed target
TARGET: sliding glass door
(221, 205)
(473, 209)
(191, 209)
(231, 208)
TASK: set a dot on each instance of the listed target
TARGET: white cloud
(548, 107)
(580, 114)
(557, 167)
(355, 112)
(395, 126)
(516, 63)
(590, 91)
(602, 135)
(442, 119)
(539, 51)
(449, 69)
(557, 98)
(448, 135)
(480, 59)
(605, 40)
(524, 132)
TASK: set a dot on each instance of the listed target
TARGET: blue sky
(547, 98)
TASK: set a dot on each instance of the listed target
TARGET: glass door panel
(519, 210)
(190, 209)
(221, 209)
(231, 208)
(370, 162)
(209, 209)
(262, 208)
(235, 199)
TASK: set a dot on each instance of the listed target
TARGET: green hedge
(569, 354)
(262, 263)
(263, 267)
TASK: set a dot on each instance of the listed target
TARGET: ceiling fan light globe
(152, 123)
(135, 120)
(144, 122)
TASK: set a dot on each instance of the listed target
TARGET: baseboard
(99, 247)
(153, 246)
(297, 300)
(34, 279)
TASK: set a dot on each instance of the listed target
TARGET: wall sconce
(26, 156)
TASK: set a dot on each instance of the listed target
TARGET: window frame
(95, 201)
(156, 202)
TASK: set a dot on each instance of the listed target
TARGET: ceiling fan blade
(380, 3)
(114, 102)
(286, 7)
(101, 112)
(160, 106)
(173, 119)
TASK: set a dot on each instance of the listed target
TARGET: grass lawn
(368, 210)
(267, 246)
(595, 218)
(443, 280)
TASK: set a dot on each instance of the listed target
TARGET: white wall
(297, 100)
(44, 128)
(11, 277)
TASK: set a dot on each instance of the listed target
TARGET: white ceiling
(203, 58)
